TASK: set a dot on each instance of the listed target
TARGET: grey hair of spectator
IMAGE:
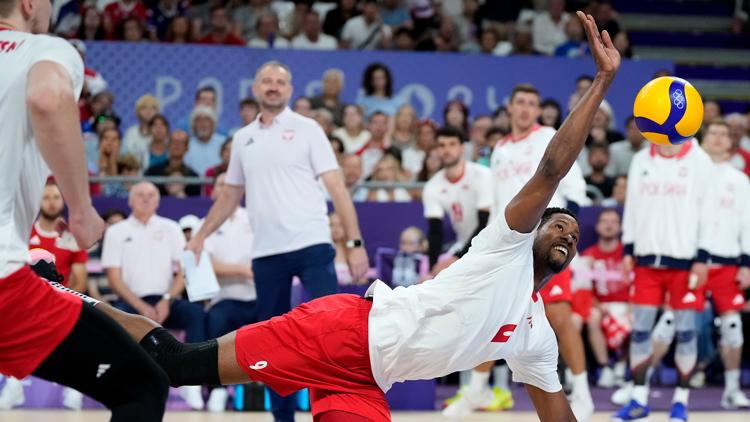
(203, 111)
(274, 63)
(323, 113)
(335, 73)
(737, 118)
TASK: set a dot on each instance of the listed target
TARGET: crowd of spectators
(512, 27)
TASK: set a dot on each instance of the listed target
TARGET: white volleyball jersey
(514, 161)
(664, 201)
(725, 207)
(461, 199)
(481, 308)
(24, 171)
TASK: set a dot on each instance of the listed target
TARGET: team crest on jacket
(288, 135)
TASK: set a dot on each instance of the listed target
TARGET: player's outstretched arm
(526, 208)
(550, 407)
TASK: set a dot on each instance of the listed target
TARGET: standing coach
(278, 159)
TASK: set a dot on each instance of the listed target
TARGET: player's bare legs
(730, 347)
(478, 394)
(599, 347)
(229, 370)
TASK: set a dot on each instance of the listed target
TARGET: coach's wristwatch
(354, 243)
(167, 297)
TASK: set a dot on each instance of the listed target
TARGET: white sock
(580, 384)
(620, 369)
(640, 394)
(681, 395)
(464, 377)
(732, 380)
(502, 376)
(479, 382)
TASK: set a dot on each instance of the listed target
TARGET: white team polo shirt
(279, 166)
(23, 171)
(724, 221)
(233, 243)
(461, 199)
(481, 308)
(146, 253)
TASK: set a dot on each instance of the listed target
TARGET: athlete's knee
(731, 331)
(665, 329)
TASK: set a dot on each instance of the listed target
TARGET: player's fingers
(607, 40)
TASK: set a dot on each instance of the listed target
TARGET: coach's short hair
(528, 88)
(274, 63)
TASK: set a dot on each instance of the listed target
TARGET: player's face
(717, 140)
(524, 110)
(608, 225)
(273, 88)
(556, 242)
(52, 203)
(451, 150)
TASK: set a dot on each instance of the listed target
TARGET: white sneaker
(217, 400)
(582, 406)
(622, 395)
(193, 396)
(698, 380)
(606, 378)
(734, 399)
(72, 399)
(12, 394)
(467, 403)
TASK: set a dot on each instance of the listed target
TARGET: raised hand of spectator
(358, 264)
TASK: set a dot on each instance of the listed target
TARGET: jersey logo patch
(738, 300)
(555, 291)
(688, 298)
(103, 367)
(503, 334)
(35, 240)
(259, 365)
(287, 135)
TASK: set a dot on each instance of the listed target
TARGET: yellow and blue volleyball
(668, 111)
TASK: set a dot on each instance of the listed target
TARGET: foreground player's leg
(12, 394)
(686, 355)
(99, 359)
(730, 345)
(560, 318)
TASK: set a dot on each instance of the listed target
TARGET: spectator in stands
(548, 27)
(621, 153)
(338, 148)
(523, 42)
(711, 112)
(132, 30)
(424, 17)
(230, 249)
(215, 171)
(220, 31)
(118, 11)
(738, 127)
(551, 114)
(447, 37)
(249, 110)
(92, 26)
(598, 160)
(477, 137)
(341, 260)
(137, 138)
(140, 255)
(501, 119)
(109, 152)
(333, 84)
(394, 13)
(92, 135)
(267, 33)
(375, 147)
(312, 37)
(205, 144)
(603, 120)
(176, 190)
(351, 166)
(622, 44)
(618, 193)
(157, 149)
(501, 12)
(161, 15)
(336, 18)
(404, 127)
(68, 19)
(491, 42)
(606, 17)
(205, 96)
(583, 83)
(180, 31)
(303, 106)
(377, 83)
(414, 156)
(387, 170)
(403, 40)
(325, 120)
(494, 135)
(127, 165)
(575, 44)
(353, 133)
(178, 147)
(456, 115)
(245, 17)
(188, 223)
(431, 165)
(294, 21)
(366, 31)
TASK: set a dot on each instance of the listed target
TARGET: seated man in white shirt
(312, 36)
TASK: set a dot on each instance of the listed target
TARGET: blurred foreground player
(43, 331)
(349, 350)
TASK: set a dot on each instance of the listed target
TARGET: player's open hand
(603, 51)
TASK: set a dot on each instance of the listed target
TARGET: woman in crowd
(180, 31)
(378, 85)
(91, 28)
(404, 127)
(137, 139)
(157, 149)
(551, 114)
(388, 170)
(224, 154)
(341, 261)
(456, 115)
(353, 133)
(414, 156)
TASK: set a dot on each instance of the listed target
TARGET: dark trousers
(273, 283)
(183, 315)
(228, 315)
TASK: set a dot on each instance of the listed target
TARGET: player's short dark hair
(450, 132)
(549, 212)
(249, 101)
(528, 88)
(204, 89)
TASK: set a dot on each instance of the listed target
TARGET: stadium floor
(102, 416)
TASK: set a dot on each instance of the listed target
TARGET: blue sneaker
(631, 412)
(678, 413)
